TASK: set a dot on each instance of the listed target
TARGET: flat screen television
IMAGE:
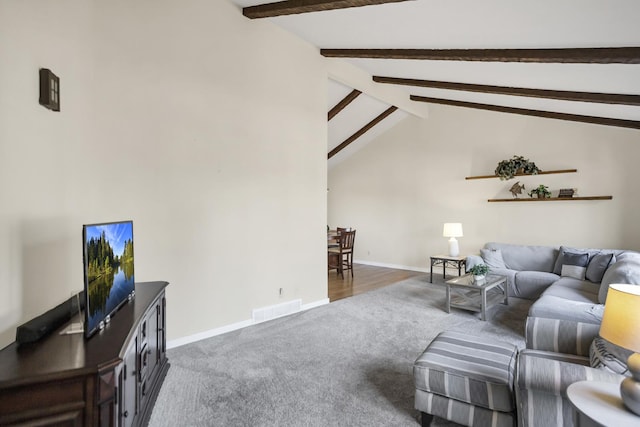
(108, 271)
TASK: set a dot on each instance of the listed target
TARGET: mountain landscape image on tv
(108, 270)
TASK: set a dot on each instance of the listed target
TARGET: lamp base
(630, 387)
(454, 250)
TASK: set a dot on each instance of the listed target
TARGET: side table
(599, 404)
(447, 261)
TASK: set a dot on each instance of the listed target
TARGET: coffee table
(463, 292)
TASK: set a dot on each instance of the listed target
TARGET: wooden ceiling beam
(597, 55)
(362, 131)
(293, 7)
(633, 124)
(563, 95)
(343, 104)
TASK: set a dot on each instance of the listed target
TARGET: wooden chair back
(347, 240)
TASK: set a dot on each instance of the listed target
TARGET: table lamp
(452, 230)
(621, 326)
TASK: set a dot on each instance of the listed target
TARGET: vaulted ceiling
(575, 60)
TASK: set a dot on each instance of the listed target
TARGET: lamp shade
(621, 319)
(452, 229)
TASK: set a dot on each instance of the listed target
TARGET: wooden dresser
(110, 379)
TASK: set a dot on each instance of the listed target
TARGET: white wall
(403, 186)
(208, 130)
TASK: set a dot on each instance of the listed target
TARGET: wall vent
(274, 311)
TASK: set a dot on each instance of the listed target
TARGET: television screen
(108, 271)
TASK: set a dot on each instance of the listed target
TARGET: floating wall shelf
(525, 174)
(552, 199)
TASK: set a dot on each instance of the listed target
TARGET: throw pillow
(574, 265)
(597, 266)
(560, 260)
(607, 356)
(493, 258)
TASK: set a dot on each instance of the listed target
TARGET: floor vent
(274, 311)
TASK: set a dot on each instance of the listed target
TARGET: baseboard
(208, 334)
(315, 304)
(264, 314)
(396, 266)
(233, 327)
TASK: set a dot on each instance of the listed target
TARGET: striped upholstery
(541, 386)
(468, 369)
(609, 357)
(560, 336)
(462, 413)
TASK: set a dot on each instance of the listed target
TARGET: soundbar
(39, 327)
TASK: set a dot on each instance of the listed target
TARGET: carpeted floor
(348, 363)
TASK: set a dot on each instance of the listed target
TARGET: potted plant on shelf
(507, 169)
(542, 191)
(479, 271)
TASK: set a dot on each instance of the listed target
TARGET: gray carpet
(348, 363)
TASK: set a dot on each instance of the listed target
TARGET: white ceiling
(469, 24)
(359, 113)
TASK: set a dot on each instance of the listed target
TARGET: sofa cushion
(493, 258)
(575, 290)
(530, 284)
(461, 413)
(556, 307)
(525, 257)
(598, 265)
(574, 264)
(626, 271)
(580, 285)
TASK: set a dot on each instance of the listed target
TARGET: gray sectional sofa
(536, 272)
(569, 286)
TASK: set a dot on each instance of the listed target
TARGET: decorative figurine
(516, 189)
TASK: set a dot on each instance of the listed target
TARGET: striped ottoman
(467, 380)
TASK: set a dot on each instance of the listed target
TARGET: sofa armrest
(542, 379)
(472, 260)
(552, 373)
(560, 336)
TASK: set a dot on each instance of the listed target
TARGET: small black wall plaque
(49, 90)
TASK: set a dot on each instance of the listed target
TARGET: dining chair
(341, 257)
(332, 238)
(335, 242)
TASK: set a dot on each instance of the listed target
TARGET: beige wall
(399, 190)
(208, 130)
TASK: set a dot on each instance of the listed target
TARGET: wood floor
(365, 278)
